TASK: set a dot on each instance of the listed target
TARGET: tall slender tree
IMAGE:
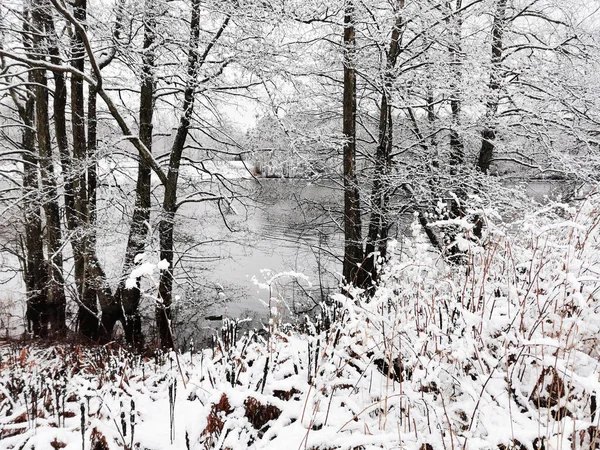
(170, 205)
(380, 192)
(353, 246)
(35, 269)
(55, 285)
(455, 22)
(496, 76)
(127, 301)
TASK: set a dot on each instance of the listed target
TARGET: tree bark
(138, 233)
(488, 134)
(55, 311)
(378, 224)
(166, 225)
(166, 241)
(92, 165)
(353, 247)
(86, 286)
(455, 49)
(60, 127)
(35, 274)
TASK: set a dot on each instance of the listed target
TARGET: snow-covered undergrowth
(501, 351)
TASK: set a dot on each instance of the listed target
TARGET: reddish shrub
(214, 421)
(258, 414)
(98, 441)
(56, 444)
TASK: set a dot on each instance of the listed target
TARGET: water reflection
(287, 227)
(282, 226)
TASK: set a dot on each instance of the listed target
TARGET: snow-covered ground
(501, 351)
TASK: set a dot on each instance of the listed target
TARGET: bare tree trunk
(138, 233)
(432, 119)
(60, 127)
(55, 311)
(86, 287)
(92, 165)
(378, 225)
(457, 153)
(35, 273)
(353, 247)
(165, 290)
(488, 134)
(455, 49)
(90, 278)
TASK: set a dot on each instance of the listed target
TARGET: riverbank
(503, 355)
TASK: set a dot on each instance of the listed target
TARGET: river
(288, 227)
(286, 235)
(282, 226)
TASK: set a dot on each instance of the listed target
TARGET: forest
(141, 139)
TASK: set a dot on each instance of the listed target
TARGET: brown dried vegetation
(56, 444)
(285, 395)
(549, 389)
(98, 441)
(259, 414)
(214, 421)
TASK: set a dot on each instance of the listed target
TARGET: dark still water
(291, 227)
(286, 245)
